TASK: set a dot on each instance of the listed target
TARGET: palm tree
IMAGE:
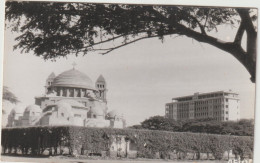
(9, 96)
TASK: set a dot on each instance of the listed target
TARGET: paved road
(56, 160)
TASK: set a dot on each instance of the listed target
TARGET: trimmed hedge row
(36, 140)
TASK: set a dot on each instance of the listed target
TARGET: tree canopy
(54, 30)
(243, 127)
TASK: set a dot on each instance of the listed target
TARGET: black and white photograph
(94, 82)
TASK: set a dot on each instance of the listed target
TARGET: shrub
(242, 146)
(35, 140)
(243, 127)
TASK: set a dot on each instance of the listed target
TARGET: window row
(100, 85)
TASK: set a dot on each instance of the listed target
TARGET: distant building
(71, 98)
(220, 105)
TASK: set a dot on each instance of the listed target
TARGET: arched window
(58, 91)
(85, 93)
(71, 92)
(64, 92)
(78, 92)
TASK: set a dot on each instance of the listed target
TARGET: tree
(54, 30)
(9, 96)
(243, 127)
(160, 123)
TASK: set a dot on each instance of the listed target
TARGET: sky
(141, 77)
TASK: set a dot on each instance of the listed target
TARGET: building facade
(220, 106)
(71, 98)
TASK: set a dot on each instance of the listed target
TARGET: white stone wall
(97, 123)
(233, 110)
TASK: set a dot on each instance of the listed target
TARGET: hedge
(36, 140)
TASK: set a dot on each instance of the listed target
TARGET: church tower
(49, 81)
(101, 86)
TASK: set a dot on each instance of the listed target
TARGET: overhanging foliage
(52, 29)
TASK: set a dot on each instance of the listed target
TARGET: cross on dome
(74, 64)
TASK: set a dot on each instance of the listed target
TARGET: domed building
(31, 115)
(71, 98)
(14, 117)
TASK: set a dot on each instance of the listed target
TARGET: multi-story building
(220, 105)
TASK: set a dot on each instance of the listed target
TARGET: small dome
(51, 76)
(101, 79)
(34, 108)
(16, 112)
(73, 78)
(113, 113)
(71, 103)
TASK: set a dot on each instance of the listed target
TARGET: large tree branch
(202, 28)
(207, 16)
(108, 50)
(240, 32)
(247, 59)
(244, 14)
(113, 39)
(230, 47)
(168, 21)
(250, 60)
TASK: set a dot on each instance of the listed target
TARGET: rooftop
(101, 79)
(214, 94)
(73, 78)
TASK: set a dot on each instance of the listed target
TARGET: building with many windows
(220, 105)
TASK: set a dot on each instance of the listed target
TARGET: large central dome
(73, 78)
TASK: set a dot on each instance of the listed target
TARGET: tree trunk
(250, 59)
